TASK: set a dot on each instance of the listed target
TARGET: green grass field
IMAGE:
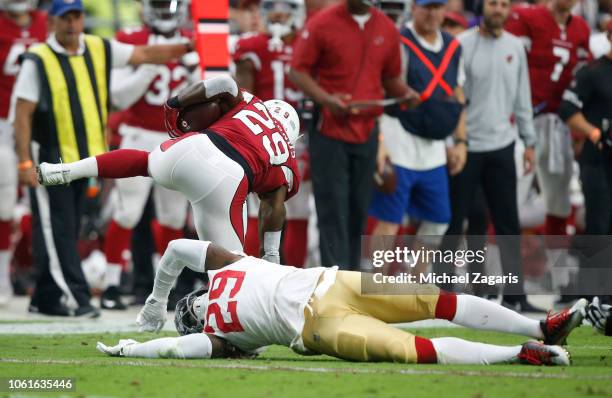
(281, 373)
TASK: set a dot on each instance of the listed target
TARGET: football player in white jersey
(253, 303)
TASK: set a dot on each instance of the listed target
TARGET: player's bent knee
(188, 251)
(431, 233)
(127, 219)
(401, 350)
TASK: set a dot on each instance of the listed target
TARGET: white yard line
(238, 366)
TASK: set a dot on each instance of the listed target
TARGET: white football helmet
(18, 6)
(287, 117)
(294, 10)
(165, 16)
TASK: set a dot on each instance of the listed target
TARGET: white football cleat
(53, 174)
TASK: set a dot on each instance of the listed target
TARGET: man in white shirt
(61, 100)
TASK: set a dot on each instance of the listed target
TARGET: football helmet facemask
(189, 313)
(164, 16)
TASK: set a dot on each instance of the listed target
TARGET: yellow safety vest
(70, 118)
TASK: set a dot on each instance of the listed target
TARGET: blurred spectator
(344, 143)
(417, 147)
(454, 23)
(499, 106)
(262, 62)
(598, 42)
(47, 129)
(142, 92)
(22, 26)
(104, 18)
(587, 109)
(556, 42)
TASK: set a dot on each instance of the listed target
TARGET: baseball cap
(61, 7)
(457, 18)
(423, 3)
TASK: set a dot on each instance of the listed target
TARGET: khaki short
(348, 325)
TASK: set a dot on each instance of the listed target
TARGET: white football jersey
(253, 303)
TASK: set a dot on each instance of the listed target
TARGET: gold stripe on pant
(348, 325)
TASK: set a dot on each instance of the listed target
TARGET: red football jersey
(14, 40)
(553, 52)
(271, 67)
(147, 112)
(262, 142)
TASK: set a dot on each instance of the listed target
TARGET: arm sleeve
(129, 85)
(307, 50)
(393, 65)
(523, 109)
(27, 86)
(576, 95)
(180, 253)
(191, 346)
(121, 53)
(517, 26)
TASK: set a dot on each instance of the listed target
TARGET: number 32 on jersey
(275, 144)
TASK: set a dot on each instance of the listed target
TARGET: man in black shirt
(587, 110)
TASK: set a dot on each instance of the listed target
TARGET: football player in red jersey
(557, 43)
(142, 91)
(22, 26)
(262, 61)
(248, 149)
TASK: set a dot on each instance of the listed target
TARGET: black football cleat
(558, 326)
(111, 299)
(536, 353)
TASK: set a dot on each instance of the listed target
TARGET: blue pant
(420, 194)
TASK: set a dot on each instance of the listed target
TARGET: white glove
(117, 350)
(597, 315)
(152, 316)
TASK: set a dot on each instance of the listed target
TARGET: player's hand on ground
(529, 160)
(597, 314)
(337, 104)
(116, 350)
(152, 316)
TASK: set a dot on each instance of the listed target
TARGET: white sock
(477, 313)
(451, 350)
(87, 167)
(113, 275)
(5, 277)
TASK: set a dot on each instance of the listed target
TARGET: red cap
(456, 18)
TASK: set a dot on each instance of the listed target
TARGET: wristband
(25, 165)
(461, 141)
(271, 242)
(595, 135)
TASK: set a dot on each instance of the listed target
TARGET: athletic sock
(295, 242)
(251, 242)
(556, 225)
(5, 254)
(164, 235)
(84, 168)
(123, 163)
(478, 313)
(117, 240)
(451, 350)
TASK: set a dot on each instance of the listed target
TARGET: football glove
(597, 315)
(152, 316)
(116, 350)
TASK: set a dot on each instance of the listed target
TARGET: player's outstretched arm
(192, 346)
(196, 255)
(271, 219)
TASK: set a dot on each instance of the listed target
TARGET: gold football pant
(348, 325)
